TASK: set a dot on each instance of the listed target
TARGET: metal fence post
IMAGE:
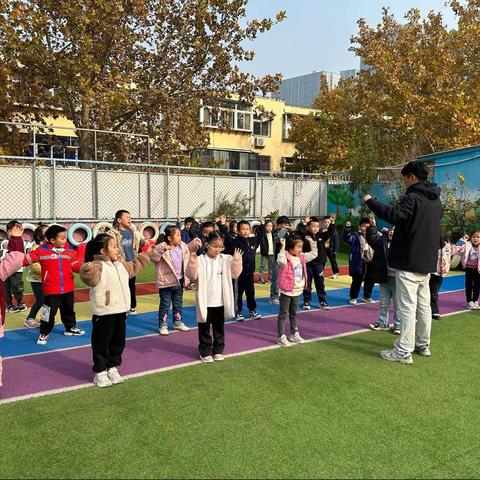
(214, 193)
(34, 190)
(149, 194)
(95, 192)
(261, 194)
(293, 198)
(54, 190)
(95, 145)
(34, 142)
(255, 196)
(165, 194)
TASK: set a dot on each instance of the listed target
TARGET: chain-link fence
(49, 189)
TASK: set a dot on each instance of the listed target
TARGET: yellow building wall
(275, 147)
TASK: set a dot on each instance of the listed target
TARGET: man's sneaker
(180, 326)
(102, 380)
(274, 301)
(396, 330)
(22, 307)
(334, 276)
(436, 316)
(424, 352)
(471, 306)
(324, 306)
(12, 309)
(163, 330)
(296, 338)
(114, 376)
(367, 300)
(132, 311)
(239, 317)
(254, 315)
(74, 332)
(379, 326)
(353, 301)
(42, 340)
(30, 323)
(207, 359)
(394, 356)
(306, 306)
(477, 306)
(283, 341)
(218, 357)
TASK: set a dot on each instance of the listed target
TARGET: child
(381, 274)
(34, 276)
(469, 251)
(316, 267)
(436, 278)
(10, 264)
(185, 231)
(201, 231)
(361, 254)
(291, 280)
(107, 274)
(232, 230)
(280, 232)
(58, 262)
(171, 258)
(129, 242)
(245, 283)
(267, 252)
(14, 283)
(213, 274)
(332, 246)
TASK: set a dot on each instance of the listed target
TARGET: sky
(316, 34)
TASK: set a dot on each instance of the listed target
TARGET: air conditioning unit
(259, 142)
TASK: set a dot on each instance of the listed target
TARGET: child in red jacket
(58, 261)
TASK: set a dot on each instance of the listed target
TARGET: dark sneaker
(379, 326)
(22, 307)
(307, 306)
(436, 316)
(42, 340)
(254, 316)
(12, 309)
(239, 317)
(74, 332)
(324, 306)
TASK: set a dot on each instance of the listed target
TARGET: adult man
(412, 256)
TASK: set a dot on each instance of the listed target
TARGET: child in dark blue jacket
(245, 282)
(361, 255)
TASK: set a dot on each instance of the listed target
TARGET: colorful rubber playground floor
(65, 362)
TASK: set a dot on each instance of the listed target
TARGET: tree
(141, 66)
(419, 94)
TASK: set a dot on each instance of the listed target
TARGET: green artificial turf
(330, 409)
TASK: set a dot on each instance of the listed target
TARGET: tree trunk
(86, 149)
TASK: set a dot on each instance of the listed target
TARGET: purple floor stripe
(62, 369)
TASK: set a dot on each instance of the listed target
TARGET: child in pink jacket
(171, 258)
(292, 278)
(12, 262)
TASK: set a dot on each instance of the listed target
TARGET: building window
(235, 160)
(261, 127)
(228, 115)
(287, 125)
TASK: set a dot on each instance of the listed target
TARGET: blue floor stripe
(22, 341)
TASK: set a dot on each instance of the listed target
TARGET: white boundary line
(171, 367)
(6, 359)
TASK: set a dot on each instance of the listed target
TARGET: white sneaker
(163, 330)
(367, 300)
(180, 326)
(334, 276)
(274, 301)
(477, 306)
(42, 340)
(296, 338)
(30, 323)
(218, 357)
(207, 359)
(424, 352)
(394, 356)
(283, 341)
(132, 311)
(353, 301)
(101, 380)
(471, 306)
(114, 376)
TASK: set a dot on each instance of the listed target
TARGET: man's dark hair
(419, 169)
(189, 220)
(283, 220)
(118, 215)
(53, 232)
(12, 224)
(364, 220)
(313, 220)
